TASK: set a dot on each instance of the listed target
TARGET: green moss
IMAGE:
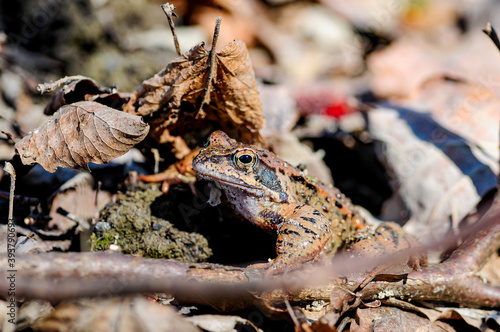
(101, 242)
(136, 231)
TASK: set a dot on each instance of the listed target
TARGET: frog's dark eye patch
(245, 159)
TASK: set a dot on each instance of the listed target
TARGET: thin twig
(72, 217)
(290, 311)
(211, 70)
(10, 169)
(169, 11)
(490, 32)
(157, 158)
(9, 136)
(50, 87)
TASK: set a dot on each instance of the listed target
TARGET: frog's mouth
(233, 183)
(222, 180)
(225, 181)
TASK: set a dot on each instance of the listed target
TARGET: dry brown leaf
(75, 88)
(81, 133)
(78, 197)
(220, 323)
(114, 314)
(184, 79)
(393, 319)
(233, 100)
(463, 319)
(31, 311)
(442, 147)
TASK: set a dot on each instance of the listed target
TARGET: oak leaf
(81, 133)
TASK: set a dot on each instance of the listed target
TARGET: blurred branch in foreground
(56, 276)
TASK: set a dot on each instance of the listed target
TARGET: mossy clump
(129, 224)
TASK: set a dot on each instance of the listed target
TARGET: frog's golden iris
(245, 159)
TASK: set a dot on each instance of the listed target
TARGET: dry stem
(490, 32)
(169, 11)
(211, 70)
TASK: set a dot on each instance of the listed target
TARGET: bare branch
(98, 274)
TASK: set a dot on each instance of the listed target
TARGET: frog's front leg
(302, 234)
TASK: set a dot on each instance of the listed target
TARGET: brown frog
(308, 217)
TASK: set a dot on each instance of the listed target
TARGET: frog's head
(235, 166)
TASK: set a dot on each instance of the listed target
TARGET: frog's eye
(245, 159)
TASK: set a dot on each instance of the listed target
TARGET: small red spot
(323, 101)
(337, 110)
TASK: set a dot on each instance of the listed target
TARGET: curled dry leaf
(74, 89)
(81, 133)
(233, 101)
(79, 88)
